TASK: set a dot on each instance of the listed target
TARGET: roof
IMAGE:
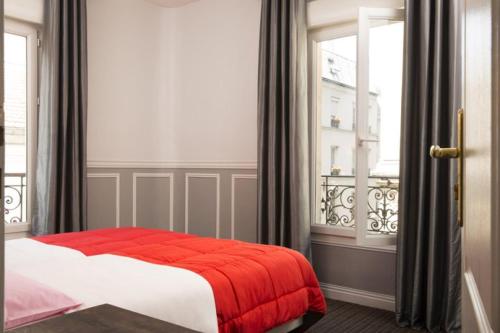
(340, 70)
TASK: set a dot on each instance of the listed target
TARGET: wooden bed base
(298, 325)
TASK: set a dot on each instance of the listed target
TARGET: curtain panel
(61, 186)
(283, 135)
(428, 247)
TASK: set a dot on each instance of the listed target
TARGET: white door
(480, 255)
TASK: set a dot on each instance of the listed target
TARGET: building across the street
(338, 119)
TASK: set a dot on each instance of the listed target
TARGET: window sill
(349, 242)
(342, 232)
(18, 227)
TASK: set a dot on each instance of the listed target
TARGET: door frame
(470, 292)
(2, 225)
(495, 167)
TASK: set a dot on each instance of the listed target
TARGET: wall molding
(234, 177)
(248, 165)
(137, 175)
(216, 176)
(116, 177)
(358, 296)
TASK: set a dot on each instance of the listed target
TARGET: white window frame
(30, 31)
(365, 15)
(337, 234)
(360, 27)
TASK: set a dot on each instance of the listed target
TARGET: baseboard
(357, 296)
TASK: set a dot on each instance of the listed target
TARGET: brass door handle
(455, 152)
(438, 152)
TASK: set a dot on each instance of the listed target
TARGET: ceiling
(171, 3)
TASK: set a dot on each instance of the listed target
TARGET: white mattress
(171, 294)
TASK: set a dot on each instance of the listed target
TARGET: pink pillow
(27, 301)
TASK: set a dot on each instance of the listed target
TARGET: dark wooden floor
(351, 318)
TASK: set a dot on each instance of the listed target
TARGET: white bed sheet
(171, 294)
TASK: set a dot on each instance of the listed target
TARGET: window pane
(15, 65)
(385, 84)
(338, 130)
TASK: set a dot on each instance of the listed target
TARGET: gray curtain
(283, 170)
(61, 194)
(428, 254)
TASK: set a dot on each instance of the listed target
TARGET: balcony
(338, 203)
(15, 198)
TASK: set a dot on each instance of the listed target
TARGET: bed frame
(298, 325)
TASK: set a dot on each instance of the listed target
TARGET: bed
(206, 284)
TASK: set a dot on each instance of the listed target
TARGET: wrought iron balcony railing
(15, 198)
(338, 203)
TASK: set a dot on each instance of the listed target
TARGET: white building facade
(338, 117)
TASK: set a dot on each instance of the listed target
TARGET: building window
(361, 201)
(335, 121)
(353, 127)
(21, 96)
(334, 167)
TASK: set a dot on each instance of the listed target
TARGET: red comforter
(256, 287)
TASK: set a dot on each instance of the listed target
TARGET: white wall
(127, 65)
(216, 45)
(173, 85)
(26, 10)
(180, 84)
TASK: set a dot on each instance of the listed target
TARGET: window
(360, 64)
(335, 122)
(334, 168)
(21, 90)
